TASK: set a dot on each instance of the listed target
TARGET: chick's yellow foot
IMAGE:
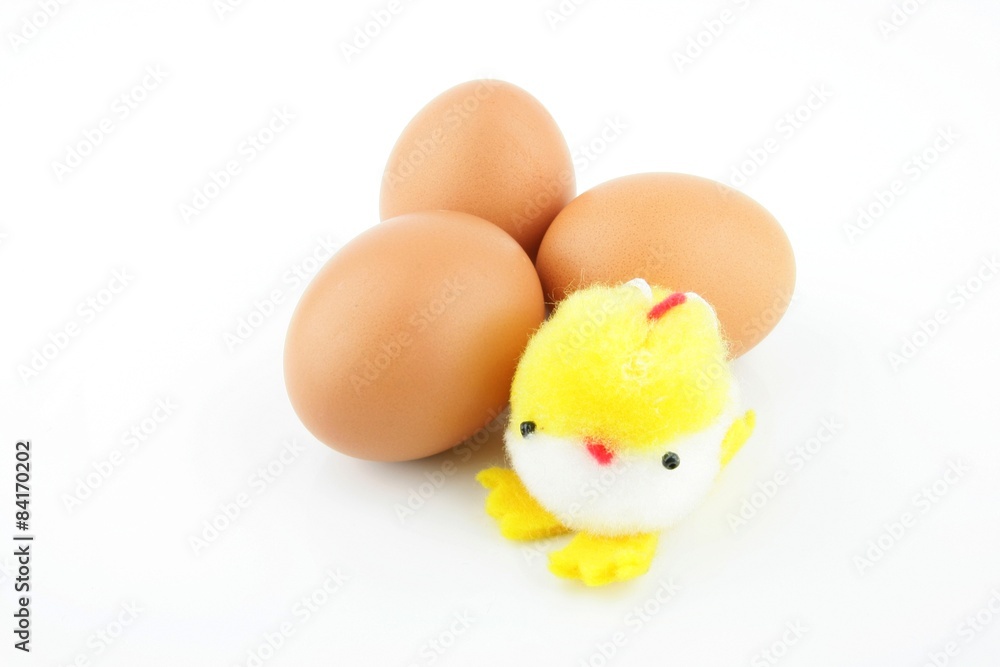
(519, 515)
(598, 560)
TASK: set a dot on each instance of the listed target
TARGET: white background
(859, 297)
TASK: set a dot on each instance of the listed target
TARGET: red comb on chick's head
(675, 299)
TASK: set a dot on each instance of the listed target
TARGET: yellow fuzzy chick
(623, 412)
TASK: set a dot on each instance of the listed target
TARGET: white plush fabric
(634, 493)
(643, 287)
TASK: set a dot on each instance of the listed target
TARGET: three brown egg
(406, 341)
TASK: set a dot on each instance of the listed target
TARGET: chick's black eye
(527, 428)
(671, 460)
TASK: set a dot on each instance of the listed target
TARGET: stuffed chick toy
(623, 412)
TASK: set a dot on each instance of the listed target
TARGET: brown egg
(406, 341)
(680, 232)
(487, 148)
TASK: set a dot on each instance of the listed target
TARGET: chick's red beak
(599, 451)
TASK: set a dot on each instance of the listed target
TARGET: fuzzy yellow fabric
(601, 367)
(737, 435)
(598, 560)
(519, 515)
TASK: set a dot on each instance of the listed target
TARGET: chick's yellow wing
(521, 517)
(737, 435)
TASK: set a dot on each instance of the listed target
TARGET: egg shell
(681, 232)
(487, 148)
(405, 342)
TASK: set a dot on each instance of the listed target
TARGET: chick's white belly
(632, 493)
